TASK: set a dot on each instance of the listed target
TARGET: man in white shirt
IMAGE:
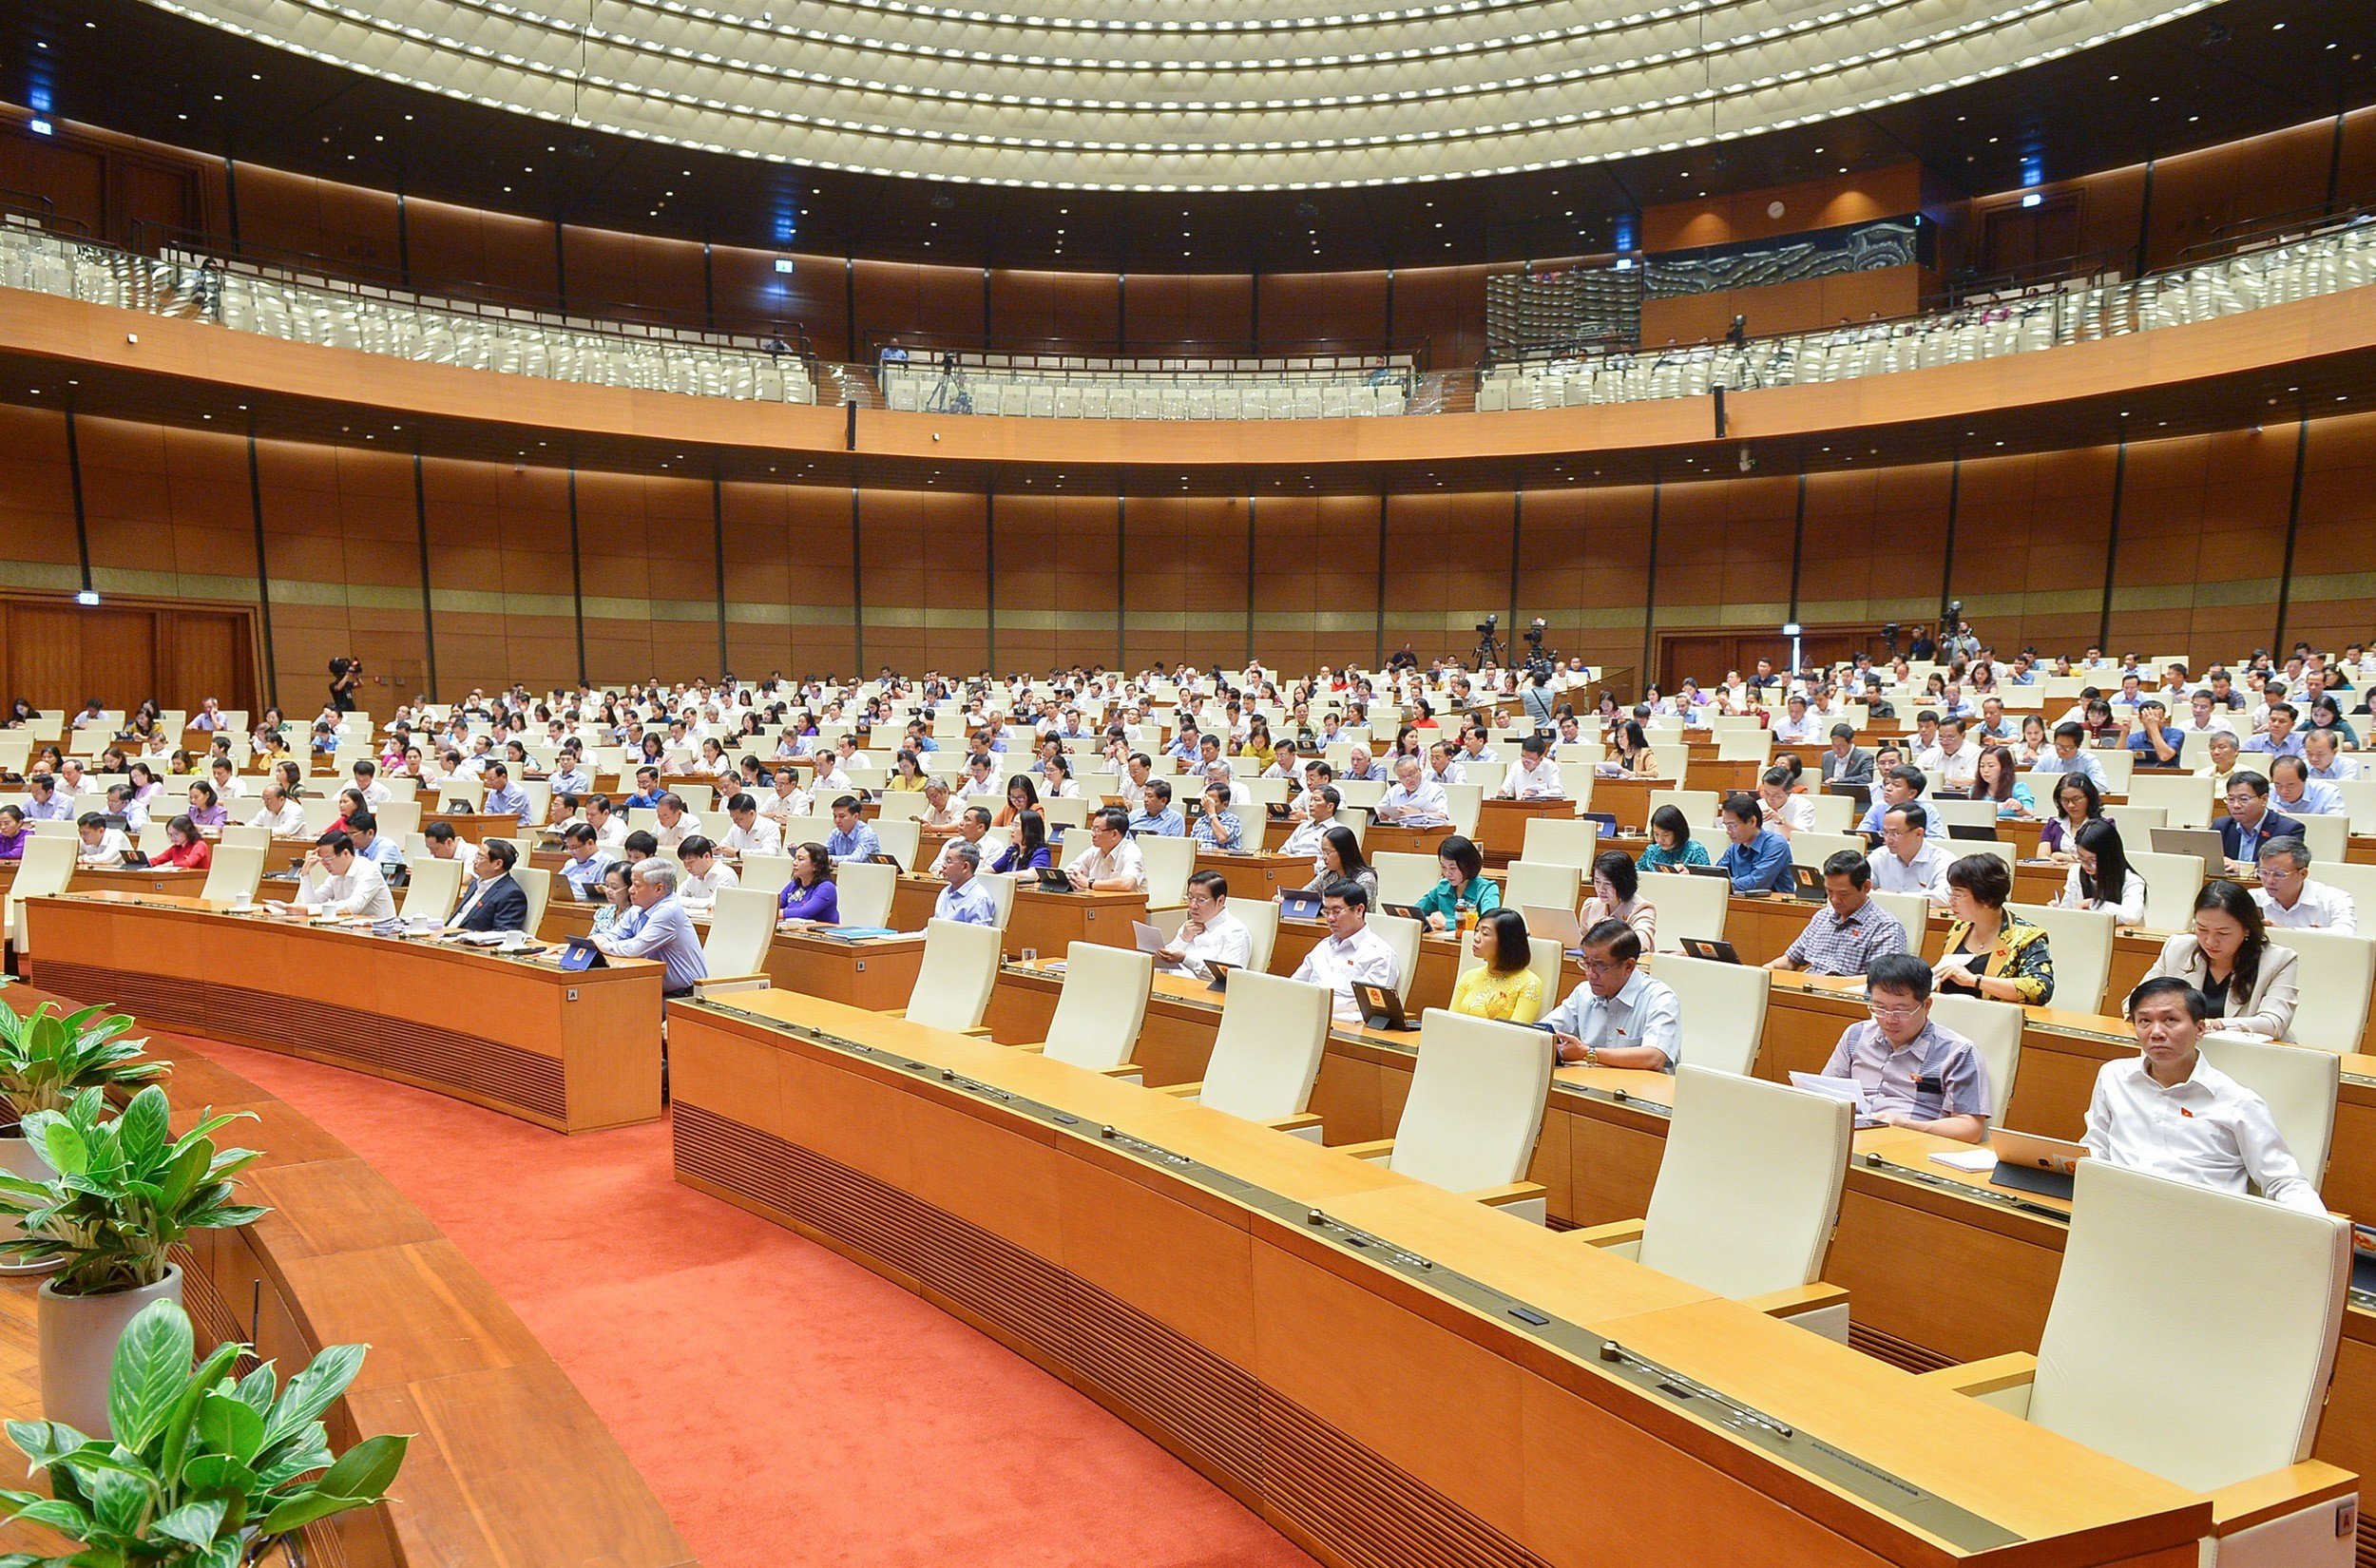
(2203, 716)
(1413, 802)
(1306, 837)
(1619, 1017)
(1908, 862)
(2169, 1112)
(281, 817)
(1795, 728)
(789, 800)
(704, 873)
(1443, 764)
(1224, 775)
(375, 795)
(2290, 900)
(2319, 749)
(1350, 954)
(1534, 776)
(1112, 863)
(676, 823)
(751, 834)
(610, 825)
(102, 847)
(1951, 763)
(337, 880)
(1210, 932)
(228, 786)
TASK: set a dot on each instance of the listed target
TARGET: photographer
(345, 675)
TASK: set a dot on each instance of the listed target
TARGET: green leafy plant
(46, 1058)
(206, 1470)
(125, 1189)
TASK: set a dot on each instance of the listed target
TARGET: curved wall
(492, 574)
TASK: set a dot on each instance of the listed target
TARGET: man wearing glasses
(1914, 1073)
(1619, 1017)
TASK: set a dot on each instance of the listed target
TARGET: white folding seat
(1266, 1053)
(953, 981)
(1474, 1112)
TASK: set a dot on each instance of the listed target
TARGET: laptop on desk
(2202, 843)
(1560, 925)
(1708, 948)
(1054, 881)
(1983, 831)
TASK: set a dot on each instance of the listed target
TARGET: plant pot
(77, 1337)
(18, 1157)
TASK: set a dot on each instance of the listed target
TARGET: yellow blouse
(1512, 998)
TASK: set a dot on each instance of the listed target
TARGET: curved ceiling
(1184, 95)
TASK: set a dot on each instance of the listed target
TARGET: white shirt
(1521, 784)
(701, 892)
(687, 824)
(1799, 731)
(1307, 836)
(1927, 873)
(286, 823)
(376, 794)
(777, 807)
(2209, 1130)
(1955, 771)
(1226, 939)
(1423, 806)
(109, 851)
(362, 892)
(228, 789)
(1123, 861)
(1363, 958)
(2318, 908)
(2129, 912)
(761, 837)
(1795, 814)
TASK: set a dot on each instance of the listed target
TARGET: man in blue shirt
(2279, 740)
(665, 933)
(372, 845)
(1899, 785)
(648, 790)
(967, 899)
(47, 804)
(584, 865)
(2152, 735)
(2068, 756)
(1164, 821)
(502, 797)
(1759, 859)
(569, 776)
(853, 837)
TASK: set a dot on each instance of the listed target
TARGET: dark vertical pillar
(420, 534)
(2112, 544)
(577, 574)
(263, 573)
(2293, 532)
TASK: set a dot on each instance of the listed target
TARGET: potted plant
(205, 1470)
(121, 1191)
(46, 1060)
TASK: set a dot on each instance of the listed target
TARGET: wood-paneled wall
(539, 576)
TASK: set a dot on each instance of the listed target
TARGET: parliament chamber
(1531, 783)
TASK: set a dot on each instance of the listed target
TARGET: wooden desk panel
(1263, 876)
(508, 1464)
(1502, 826)
(1219, 1321)
(572, 1052)
(475, 826)
(1045, 923)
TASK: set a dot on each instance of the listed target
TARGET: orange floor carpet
(786, 1405)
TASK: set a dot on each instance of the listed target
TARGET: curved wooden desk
(572, 1052)
(508, 1464)
(1388, 1373)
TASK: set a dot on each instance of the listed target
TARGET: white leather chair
(1475, 1112)
(1404, 877)
(767, 872)
(2081, 942)
(2248, 1297)
(1995, 1030)
(539, 887)
(1724, 1008)
(2327, 837)
(743, 922)
(1260, 918)
(1266, 1053)
(2137, 823)
(952, 988)
(1466, 803)
(1911, 911)
(1100, 1008)
(1748, 1196)
(1813, 849)
(1170, 862)
(2300, 1086)
(1402, 935)
(431, 888)
(2170, 883)
(1697, 806)
(45, 869)
(2335, 974)
(1544, 883)
(863, 892)
(1965, 813)
(233, 872)
(1687, 905)
(901, 839)
(240, 834)
(1563, 841)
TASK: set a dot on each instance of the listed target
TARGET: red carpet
(785, 1404)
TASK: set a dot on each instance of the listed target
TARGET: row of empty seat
(378, 321)
(2320, 264)
(929, 390)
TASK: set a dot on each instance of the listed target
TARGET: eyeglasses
(1879, 1011)
(1601, 965)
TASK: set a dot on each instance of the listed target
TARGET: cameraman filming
(345, 675)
